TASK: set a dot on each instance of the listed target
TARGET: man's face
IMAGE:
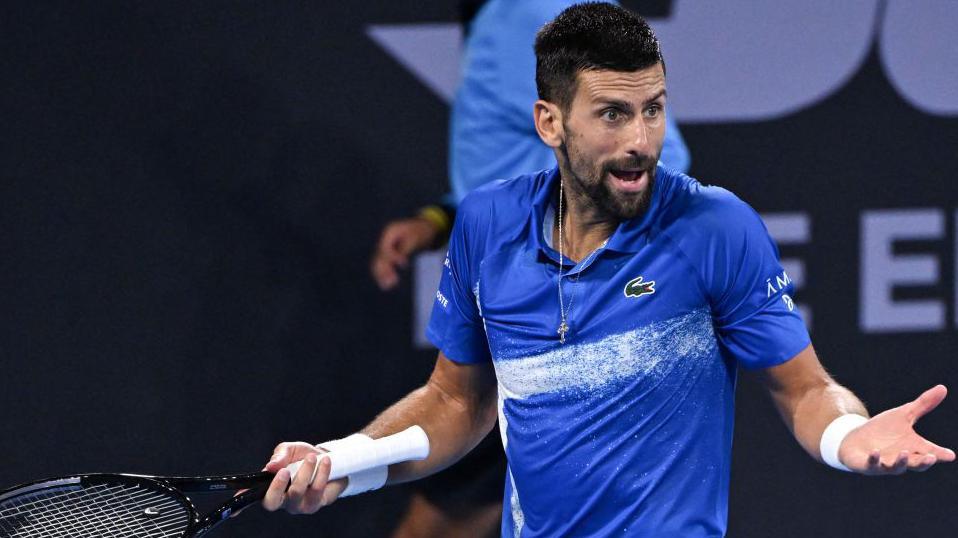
(613, 135)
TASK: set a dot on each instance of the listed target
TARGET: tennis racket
(126, 505)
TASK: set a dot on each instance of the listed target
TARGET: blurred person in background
(492, 136)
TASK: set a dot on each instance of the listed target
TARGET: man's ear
(548, 119)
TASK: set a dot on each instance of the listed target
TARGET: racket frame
(175, 487)
(409, 444)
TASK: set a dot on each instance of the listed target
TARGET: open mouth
(629, 180)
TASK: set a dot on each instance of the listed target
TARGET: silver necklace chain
(563, 311)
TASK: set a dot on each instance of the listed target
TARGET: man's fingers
(904, 461)
(389, 238)
(299, 485)
(392, 253)
(314, 495)
(321, 475)
(920, 463)
(278, 459)
(941, 453)
(323, 492)
(398, 249)
(276, 493)
(928, 401)
(384, 273)
(900, 465)
(333, 490)
(305, 492)
(396, 243)
(312, 479)
(385, 269)
(287, 453)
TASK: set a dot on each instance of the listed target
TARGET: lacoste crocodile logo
(637, 288)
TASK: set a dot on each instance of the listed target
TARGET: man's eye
(653, 111)
(611, 115)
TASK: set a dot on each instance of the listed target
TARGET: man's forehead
(601, 84)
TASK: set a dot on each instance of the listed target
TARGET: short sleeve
(456, 325)
(755, 316)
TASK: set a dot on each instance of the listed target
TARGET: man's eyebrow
(627, 106)
(660, 94)
(622, 105)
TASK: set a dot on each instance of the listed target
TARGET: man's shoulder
(699, 212)
(497, 213)
(503, 198)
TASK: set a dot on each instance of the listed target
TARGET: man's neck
(584, 227)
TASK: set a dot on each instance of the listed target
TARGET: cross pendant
(563, 328)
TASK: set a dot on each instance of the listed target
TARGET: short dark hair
(592, 35)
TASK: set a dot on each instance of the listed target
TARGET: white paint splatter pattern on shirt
(518, 518)
(591, 367)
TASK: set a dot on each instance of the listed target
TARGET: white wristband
(356, 439)
(833, 436)
(362, 481)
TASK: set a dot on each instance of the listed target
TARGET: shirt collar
(629, 236)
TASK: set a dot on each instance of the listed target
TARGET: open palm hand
(888, 443)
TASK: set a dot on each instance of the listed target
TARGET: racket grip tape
(407, 445)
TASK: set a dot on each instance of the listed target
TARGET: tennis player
(492, 136)
(601, 309)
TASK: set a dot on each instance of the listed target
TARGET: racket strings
(108, 510)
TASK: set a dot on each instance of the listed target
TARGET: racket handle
(407, 445)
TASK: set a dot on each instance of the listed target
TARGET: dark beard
(599, 193)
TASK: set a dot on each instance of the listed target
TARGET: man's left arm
(812, 404)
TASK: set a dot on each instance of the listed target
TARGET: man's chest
(518, 293)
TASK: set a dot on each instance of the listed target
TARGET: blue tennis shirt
(626, 429)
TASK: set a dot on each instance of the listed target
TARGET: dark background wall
(189, 194)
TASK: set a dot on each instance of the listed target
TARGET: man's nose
(639, 139)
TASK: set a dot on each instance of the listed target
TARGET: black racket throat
(204, 484)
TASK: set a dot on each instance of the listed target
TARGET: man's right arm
(456, 408)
